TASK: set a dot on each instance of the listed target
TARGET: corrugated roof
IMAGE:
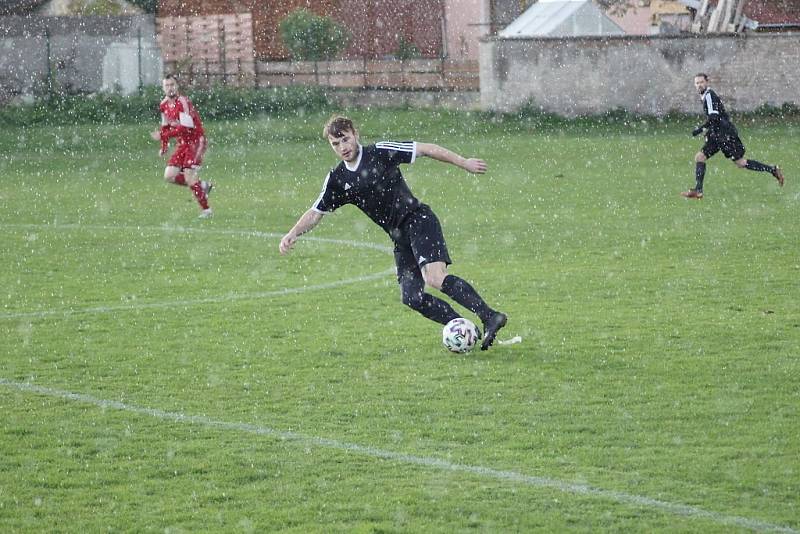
(545, 17)
(542, 17)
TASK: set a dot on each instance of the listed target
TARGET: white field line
(190, 230)
(628, 499)
(193, 302)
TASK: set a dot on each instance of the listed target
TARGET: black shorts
(419, 241)
(730, 145)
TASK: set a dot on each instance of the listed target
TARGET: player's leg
(199, 148)
(174, 172)
(192, 178)
(699, 171)
(430, 250)
(736, 153)
(192, 158)
(458, 289)
(173, 175)
(413, 295)
(412, 285)
(435, 275)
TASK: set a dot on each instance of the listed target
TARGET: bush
(309, 37)
(149, 6)
(214, 103)
(406, 49)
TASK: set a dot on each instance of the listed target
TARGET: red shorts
(189, 154)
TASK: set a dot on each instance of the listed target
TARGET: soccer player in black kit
(721, 135)
(369, 178)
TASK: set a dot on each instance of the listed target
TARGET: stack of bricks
(209, 50)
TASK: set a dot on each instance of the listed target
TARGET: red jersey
(180, 119)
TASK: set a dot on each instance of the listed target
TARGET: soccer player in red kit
(180, 119)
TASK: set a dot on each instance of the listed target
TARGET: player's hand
(156, 135)
(287, 243)
(162, 151)
(475, 166)
(697, 131)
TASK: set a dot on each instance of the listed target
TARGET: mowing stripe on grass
(434, 463)
(194, 302)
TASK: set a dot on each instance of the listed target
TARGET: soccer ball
(459, 335)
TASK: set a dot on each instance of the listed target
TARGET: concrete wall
(86, 53)
(645, 75)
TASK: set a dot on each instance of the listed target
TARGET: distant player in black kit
(721, 134)
(369, 178)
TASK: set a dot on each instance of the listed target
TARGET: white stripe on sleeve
(399, 147)
(184, 117)
(321, 193)
(710, 105)
(186, 120)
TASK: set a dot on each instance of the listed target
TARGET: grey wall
(83, 51)
(646, 75)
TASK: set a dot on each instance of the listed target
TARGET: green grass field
(163, 373)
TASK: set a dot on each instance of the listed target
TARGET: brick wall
(375, 25)
(646, 75)
(266, 17)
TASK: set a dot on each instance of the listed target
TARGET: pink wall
(466, 21)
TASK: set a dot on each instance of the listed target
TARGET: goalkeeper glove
(697, 131)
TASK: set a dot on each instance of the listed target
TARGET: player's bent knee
(170, 173)
(434, 275)
(411, 293)
(412, 299)
(700, 157)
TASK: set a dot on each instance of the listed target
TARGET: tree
(310, 37)
(406, 49)
(616, 6)
(149, 6)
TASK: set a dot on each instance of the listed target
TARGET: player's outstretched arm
(439, 153)
(304, 224)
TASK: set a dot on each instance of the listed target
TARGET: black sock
(463, 293)
(699, 174)
(435, 309)
(754, 165)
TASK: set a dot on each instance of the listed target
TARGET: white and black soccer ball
(460, 335)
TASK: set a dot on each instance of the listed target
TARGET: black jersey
(718, 124)
(373, 183)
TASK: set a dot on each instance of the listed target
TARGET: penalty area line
(677, 509)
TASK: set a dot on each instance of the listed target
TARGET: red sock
(200, 195)
(180, 179)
